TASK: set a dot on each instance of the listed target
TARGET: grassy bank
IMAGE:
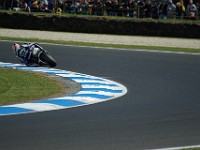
(159, 48)
(20, 86)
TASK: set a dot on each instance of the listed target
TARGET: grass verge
(159, 48)
(20, 86)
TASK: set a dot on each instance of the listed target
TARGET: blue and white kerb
(94, 90)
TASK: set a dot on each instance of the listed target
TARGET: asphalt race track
(161, 108)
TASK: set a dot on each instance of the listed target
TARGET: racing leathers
(24, 53)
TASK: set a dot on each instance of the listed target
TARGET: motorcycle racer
(23, 52)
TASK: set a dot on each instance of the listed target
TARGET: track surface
(161, 108)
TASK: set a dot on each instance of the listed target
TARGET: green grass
(159, 48)
(18, 86)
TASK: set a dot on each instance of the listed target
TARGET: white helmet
(15, 47)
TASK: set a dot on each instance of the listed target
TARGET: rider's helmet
(15, 47)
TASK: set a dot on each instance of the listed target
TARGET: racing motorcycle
(42, 57)
(38, 56)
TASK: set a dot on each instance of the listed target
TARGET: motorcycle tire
(48, 59)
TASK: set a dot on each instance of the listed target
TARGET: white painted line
(102, 86)
(87, 100)
(37, 106)
(178, 148)
(91, 81)
(99, 92)
(74, 75)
